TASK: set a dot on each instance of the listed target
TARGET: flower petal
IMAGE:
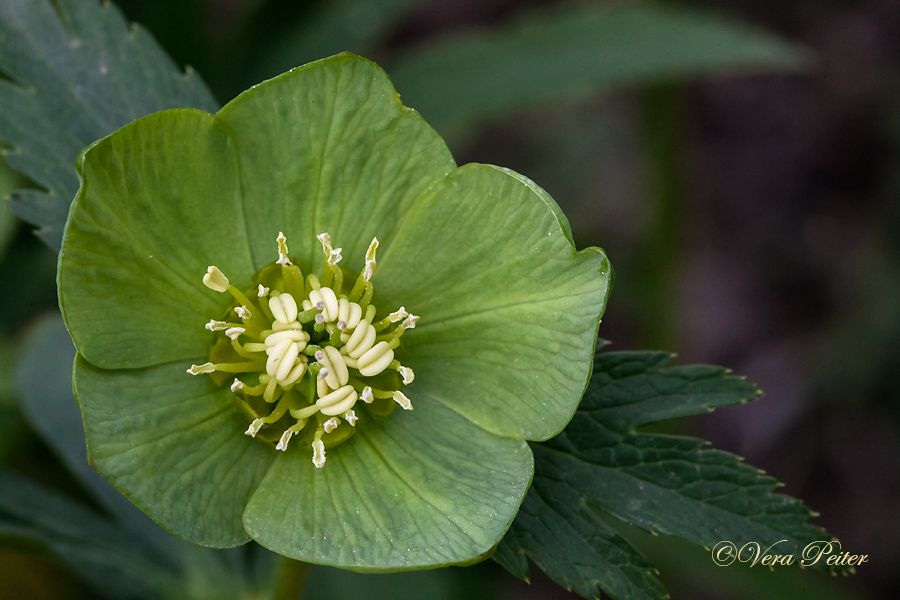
(172, 443)
(159, 203)
(329, 147)
(509, 310)
(417, 489)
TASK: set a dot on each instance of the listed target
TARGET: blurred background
(751, 212)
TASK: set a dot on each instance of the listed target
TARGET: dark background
(753, 222)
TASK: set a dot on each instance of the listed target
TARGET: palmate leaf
(666, 484)
(575, 53)
(76, 74)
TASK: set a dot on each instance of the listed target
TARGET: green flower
(303, 351)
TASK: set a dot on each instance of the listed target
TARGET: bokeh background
(752, 217)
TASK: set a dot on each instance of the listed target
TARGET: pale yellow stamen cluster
(281, 351)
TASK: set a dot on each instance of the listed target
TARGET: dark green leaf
(43, 378)
(89, 544)
(662, 483)
(337, 26)
(76, 74)
(574, 54)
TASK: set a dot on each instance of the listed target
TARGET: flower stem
(291, 581)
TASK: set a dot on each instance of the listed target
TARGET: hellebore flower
(207, 243)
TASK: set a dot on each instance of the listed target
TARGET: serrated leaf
(575, 53)
(76, 73)
(661, 483)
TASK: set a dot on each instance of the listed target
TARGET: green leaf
(180, 173)
(177, 453)
(95, 550)
(9, 180)
(575, 53)
(77, 73)
(335, 26)
(533, 395)
(661, 483)
(393, 497)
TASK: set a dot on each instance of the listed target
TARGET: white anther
(297, 372)
(204, 368)
(375, 360)
(338, 366)
(332, 368)
(350, 362)
(285, 438)
(370, 260)
(243, 312)
(330, 310)
(237, 385)
(362, 340)
(235, 332)
(407, 374)
(277, 355)
(295, 335)
(263, 291)
(215, 280)
(284, 308)
(318, 453)
(334, 257)
(322, 388)
(398, 315)
(306, 304)
(401, 399)
(354, 316)
(216, 325)
(367, 395)
(337, 398)
(331, 424)
(254, 428)
(286, 364)
(282, 250)
(410, 322)
(343, 406)
(350, 417)
(276, 326)
(343, 310)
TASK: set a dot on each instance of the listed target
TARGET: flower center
(307, 350)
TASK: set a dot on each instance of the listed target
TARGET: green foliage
(573, 54)
(600, 466)
(77, 73)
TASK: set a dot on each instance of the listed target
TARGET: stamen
(375, 360)
(407, 374)
(283, 260)
(215, 280)
(263, 291)
(338, 365)
(338, 401)
(285, 438)
(284, 308)
(350, 417)
(216, 325)
(243, 312)
(254, 428)
(370, 260)
(331, 424)
(367, 395)
(401, 399)
(237, 385)
(318, 452)
(235, 332)
(204, 368)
